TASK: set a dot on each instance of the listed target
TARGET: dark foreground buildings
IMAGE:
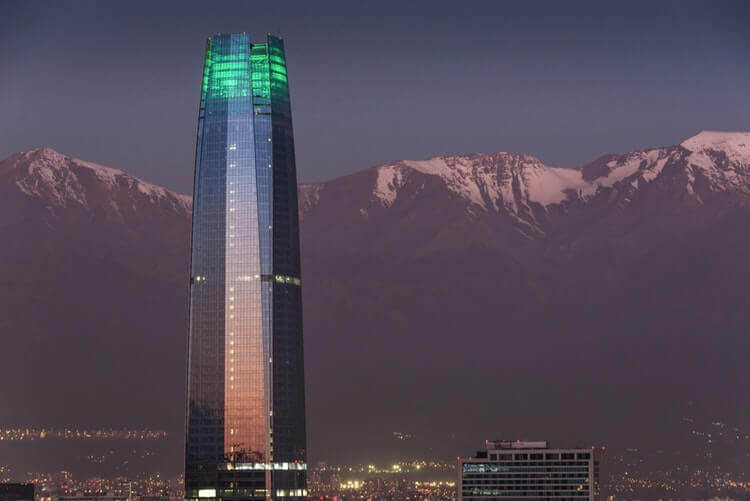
(530, 471)
(16, 492)
(245, 386)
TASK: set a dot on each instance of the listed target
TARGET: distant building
(530, 471)
(94, 497)
(155, 497)
(16, 492)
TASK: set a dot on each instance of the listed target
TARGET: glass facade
(245, 434)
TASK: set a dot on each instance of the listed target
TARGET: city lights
(18, 434)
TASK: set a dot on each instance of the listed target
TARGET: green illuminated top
(231, 70)
(259, 66)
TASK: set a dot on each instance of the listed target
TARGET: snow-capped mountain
(61, 182)
(92, 290)
(488, 278)
(522, 188)
(588, 301)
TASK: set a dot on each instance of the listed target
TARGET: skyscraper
(245, 383)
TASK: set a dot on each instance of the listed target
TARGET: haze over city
(496, 221)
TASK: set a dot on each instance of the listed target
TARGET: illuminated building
(530, 471)
(245, 386)
(16, 492)
(95, 497)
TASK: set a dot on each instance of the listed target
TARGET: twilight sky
(117, 83)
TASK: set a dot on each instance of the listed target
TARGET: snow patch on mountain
(736, 145)
(106, 175)
(548, 185)
(490, 181)
(517, 183)
(455, 171)
(45, 177)
(477, 178)
(308, 197)
(44, 173)
(390, 180)
(644, 165)
(721, 157)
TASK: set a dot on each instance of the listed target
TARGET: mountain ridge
(485, 180)
(537, 199)
(448, 288)
(63, 180)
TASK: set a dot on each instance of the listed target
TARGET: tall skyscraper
(530, 471)
(245, 383)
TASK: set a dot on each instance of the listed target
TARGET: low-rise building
(530, 471)
(16, 492)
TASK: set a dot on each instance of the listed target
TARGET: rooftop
(518, 444)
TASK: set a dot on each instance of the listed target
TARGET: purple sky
(117, 83)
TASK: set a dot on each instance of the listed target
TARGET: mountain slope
(461, 296)
(93, 295)
(611, 295)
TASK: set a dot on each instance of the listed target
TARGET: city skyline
(515, 219)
